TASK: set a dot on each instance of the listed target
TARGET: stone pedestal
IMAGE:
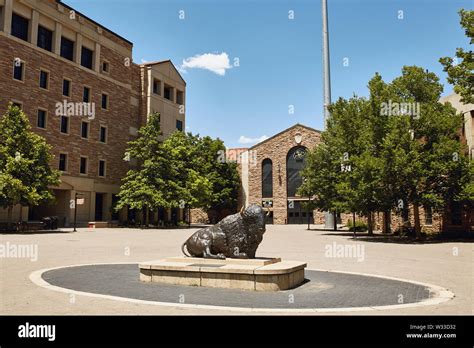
(262, 274)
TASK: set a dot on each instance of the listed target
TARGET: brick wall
(117, 118)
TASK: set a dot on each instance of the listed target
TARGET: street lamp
(77, 194)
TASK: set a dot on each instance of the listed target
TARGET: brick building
(76, 81)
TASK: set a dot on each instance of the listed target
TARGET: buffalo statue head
(254, 216)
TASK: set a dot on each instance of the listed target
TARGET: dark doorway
(99, 206)
(161, 216)
(269, 218)
(115, 214)
(297, 214)
(174, 216)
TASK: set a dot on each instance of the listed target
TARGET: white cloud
(246, 140)
(217, 63)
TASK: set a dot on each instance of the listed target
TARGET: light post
(329, 218)
(308, 210)
(75, 208)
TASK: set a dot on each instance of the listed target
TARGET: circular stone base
(322, 291)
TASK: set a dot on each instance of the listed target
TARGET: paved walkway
(449, 265)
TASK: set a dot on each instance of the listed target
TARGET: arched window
(294, 163)
(267, 178)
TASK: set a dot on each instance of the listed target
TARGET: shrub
(360, 226)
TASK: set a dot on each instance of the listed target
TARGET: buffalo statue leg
(208, 255)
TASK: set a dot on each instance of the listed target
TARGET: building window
(64, 124)
(456, 213)
(83, 166)
(86, 57)
(179, 125)
(294, 164)
(67, 48)
(156, 87)
(86, 95)
(44, 79)
(101, 168)
(63, 162)
(105, 101)
(428, 215)
(19, 27)
(18, 70)
(168, 92)
(179, 97)
(267, 178)
(66, 88)
(41, 121)
(85, 129)
(105, 67)
(45, 38)
(103, 134)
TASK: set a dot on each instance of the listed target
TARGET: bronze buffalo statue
(235, 236)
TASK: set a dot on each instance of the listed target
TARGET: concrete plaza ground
(447, 264)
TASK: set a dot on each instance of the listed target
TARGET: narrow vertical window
(267, 178)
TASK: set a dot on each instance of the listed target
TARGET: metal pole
(75, 211)
(307, 211)
(326, 67)
(329, 218)
(354, 222)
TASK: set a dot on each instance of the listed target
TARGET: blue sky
(279, 58)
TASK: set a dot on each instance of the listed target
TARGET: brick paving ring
(323, 291)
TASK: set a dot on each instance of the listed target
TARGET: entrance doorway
(99, 206)
(269, 218)
(297, 214)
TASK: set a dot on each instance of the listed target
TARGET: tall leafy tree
(181, 171)
(398, 148)
(426, 142)
(25, 172)
(460, 69)
(336, 171)
(222, 175)
(139, 189)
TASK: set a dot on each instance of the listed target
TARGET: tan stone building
(163, 90)
(467, 110)
(76, 81)
(270, 174)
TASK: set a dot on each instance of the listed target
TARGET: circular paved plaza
(321, 289)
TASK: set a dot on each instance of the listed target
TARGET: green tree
(400, 145)
(181, 171)
(421, 146)
(332, 172)
(139, 189)
(25, 173)
(222, 175)
(460, 70)
(187, 185)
